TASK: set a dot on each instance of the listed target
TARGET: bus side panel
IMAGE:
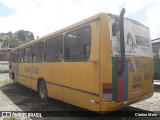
(55, 89)
(41, 71)
(84, 85)
(81, 79)
(81, 99)
(24, 74)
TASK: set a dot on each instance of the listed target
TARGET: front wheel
(43, 90)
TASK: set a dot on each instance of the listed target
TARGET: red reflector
(97, 102)
(121, 104)
(107, 90)
(107, 87)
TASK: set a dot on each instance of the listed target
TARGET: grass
(5, 82)
(4, 79)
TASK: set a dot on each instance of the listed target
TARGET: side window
(58, 45)
(71, 40)
(41, 51)
(53, 49)
(77, 44)
(85, 40)
(14, 58)
(20, 55)
(49, 44)
(11, 57)
(27, 54)
(35, 52)
(38, 52)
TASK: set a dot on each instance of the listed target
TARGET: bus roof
(157, 40)
(85, 21)
(82, 22)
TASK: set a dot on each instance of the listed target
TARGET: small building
(4, 55)
(4, 66)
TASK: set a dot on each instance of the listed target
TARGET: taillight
(107, 90)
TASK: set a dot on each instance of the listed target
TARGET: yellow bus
(102, 63)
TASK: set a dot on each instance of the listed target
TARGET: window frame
(61, 50)
(37, 54)
(15, 56)
(84, 45)
(29, 54)
(53, 39)
(21, 50)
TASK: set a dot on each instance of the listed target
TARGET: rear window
(136, 35)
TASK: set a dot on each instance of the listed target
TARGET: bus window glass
(87, 51)
(41, 51)
(38, 52)
(20, 55)
(49, 44)
(77, 44)
(15, 56)
(70, 44)
(58, 44)
(27, 54)
(85, 40)
(35, 53)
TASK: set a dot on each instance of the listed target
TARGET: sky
(45, 16)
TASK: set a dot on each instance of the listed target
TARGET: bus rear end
(132, 64)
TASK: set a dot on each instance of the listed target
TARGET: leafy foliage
(20, 36)
(24, 35)
(10, 38)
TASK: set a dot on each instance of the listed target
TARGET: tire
(42, 90)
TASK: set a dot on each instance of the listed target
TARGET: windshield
(136, 35)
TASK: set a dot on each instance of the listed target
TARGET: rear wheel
(43, 90)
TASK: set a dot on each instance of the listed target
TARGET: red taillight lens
(107, 90)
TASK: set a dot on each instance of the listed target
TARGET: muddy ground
(15, 97)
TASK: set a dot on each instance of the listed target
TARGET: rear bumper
(112, 106)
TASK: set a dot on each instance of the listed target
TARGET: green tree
(24, 35)
(10, 38)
